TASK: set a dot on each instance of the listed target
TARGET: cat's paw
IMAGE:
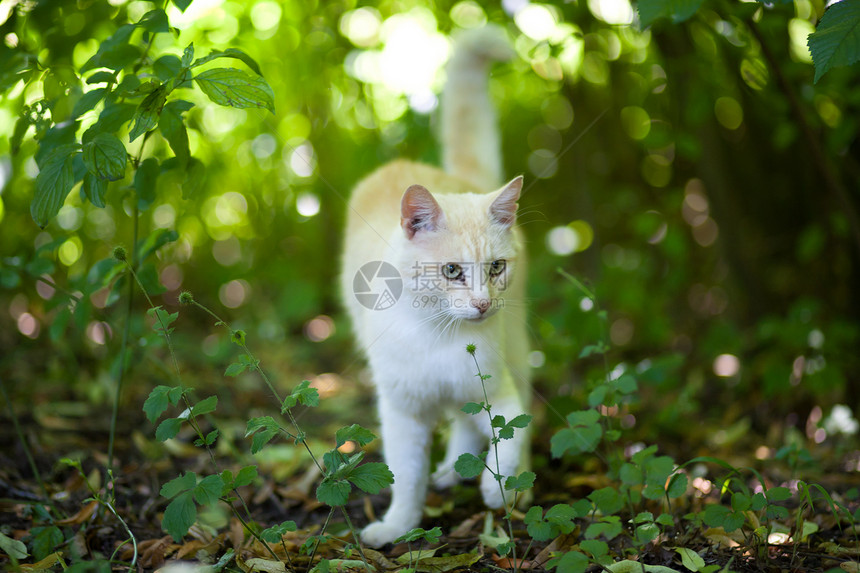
(379, 533)
(445, 477)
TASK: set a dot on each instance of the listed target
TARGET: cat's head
(461, 249)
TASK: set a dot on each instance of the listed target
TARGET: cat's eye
(497, 267)
(452, 271)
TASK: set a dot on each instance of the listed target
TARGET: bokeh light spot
(70, 251)
(307, 204)
(562, 240)
(234, 293)
(536, 21)
(28, 325)
(729, 112)
(727, 365)
(319, 328)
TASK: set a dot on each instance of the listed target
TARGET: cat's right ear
(419, 211)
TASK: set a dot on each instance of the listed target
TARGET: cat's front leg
(465, 439)
(406, 446)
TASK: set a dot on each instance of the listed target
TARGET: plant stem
(124, 345)
(352, 529)
(317, 544)
(496, 474)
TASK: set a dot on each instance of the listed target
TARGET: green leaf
(630, 474)
(168, 429)
(521, 482)
(177, 485)
(472, 408)
(778, 494)
(167, 67)
(105, 156)
(13, 548)
(89, 100)
(741, 501)
(154, 21)
(677, 10)
(658, 470)
(305, 395)
(598, 395)
(179, 516)
(205, 406)
(111, 119)
(45, 541)
(371, 477)
(758, 502)
(715, 515)
(235, 369)
(246, 476)
(264, 429)
(234, 88)
(469, 466)
(354, 433)
(836, 41)
(145, 182)
(607, 500)
(115, 52)
(431, 536)
(561, 515)
(276, 532)
(182, 4)
(583, 437)
(677, 486)
(56, 178)
(147, 113)
(156, 403)
(594, 546)
(626, 384)
(570, 562)
(211, 437)
(209, 489)
(101, 78)
(187, 55)
(537, 527)
(608, 527)
(690, 559)
(591, 349)
(95, 189)
(230, 53)
(647, 532)
(333, 492)
(172, 127)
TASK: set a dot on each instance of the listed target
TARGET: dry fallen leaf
(560, 543)
(262, 565)
(84, 514)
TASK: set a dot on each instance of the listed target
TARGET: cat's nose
(481, 304)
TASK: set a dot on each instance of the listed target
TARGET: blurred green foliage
(693, 174)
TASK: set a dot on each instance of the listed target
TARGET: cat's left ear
(503, 210)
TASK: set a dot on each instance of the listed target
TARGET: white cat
(433, 262)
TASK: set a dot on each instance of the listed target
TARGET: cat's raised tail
(471, 146)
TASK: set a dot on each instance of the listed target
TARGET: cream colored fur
(420, 218)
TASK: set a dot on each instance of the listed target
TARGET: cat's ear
(419, 211)
(503, 210)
